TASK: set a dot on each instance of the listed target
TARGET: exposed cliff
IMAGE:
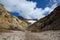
(50, 22)
(7, 21)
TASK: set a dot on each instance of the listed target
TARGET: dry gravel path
(18, 35)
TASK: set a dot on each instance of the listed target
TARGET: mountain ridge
(47, 23)
(7, 21)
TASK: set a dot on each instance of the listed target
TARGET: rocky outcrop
(9, 22)
(50, 22)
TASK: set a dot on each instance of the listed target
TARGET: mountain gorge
(10, 22)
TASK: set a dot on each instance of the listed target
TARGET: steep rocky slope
(7, 21)
(50, 22)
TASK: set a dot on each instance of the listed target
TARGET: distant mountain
(7, 21)
(20, 17)
(50, 22)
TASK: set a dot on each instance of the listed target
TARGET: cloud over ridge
(27, 9)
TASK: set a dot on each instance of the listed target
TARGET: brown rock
(8, 21)
(50, 22)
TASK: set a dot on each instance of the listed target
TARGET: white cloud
(31, 21)
(26, 9)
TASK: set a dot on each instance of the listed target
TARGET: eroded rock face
(8, 21)
(50, 22)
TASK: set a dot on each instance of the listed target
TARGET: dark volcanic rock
(50, 22)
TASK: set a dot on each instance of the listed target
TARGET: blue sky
(41, 3)
(30, 9)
